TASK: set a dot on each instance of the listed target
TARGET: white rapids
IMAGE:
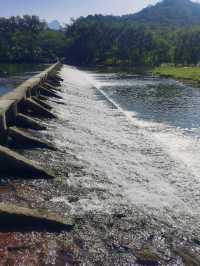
(146, 165)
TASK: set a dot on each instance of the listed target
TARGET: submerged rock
(147, 258)
(14, 218)
(14, 164)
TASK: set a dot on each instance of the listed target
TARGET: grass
(181, 73)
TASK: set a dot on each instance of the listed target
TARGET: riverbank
(186, 74)
(9, 70)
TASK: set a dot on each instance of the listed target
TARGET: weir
(17, 110)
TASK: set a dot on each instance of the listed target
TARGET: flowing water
(141, 135)
(137, 138)
(127, 166)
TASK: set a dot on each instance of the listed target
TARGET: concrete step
(15, 165)
(38, 109)
(28, 122)
(24, 139)
(47, 92)
(42, 103)
(16, 218)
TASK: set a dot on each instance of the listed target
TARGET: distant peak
(175, 2)
(54, 25)
(178, 13)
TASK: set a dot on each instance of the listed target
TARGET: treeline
(108, 40)
(168, 32)
(111, 40)
(98, 40)
(27, 39)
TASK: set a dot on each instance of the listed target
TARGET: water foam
(149, 165)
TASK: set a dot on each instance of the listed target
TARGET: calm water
(11, 75)
(151, 99)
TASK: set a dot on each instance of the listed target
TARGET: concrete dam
(89, 178)
(17, 109)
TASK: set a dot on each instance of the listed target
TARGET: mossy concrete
(28, 122)
(49, 93)
(15, 107)
(21, 218)
(51, 87)
(24, 139)
(42, 103)
(16, 165)
(37, 109)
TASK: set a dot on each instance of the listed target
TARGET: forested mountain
(54, 25)
(168, 32)
(95, 41)
(168, 13)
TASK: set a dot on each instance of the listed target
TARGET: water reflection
(11, 75)
(155, 99)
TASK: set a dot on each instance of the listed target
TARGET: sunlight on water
(143, 163)
(12, 75)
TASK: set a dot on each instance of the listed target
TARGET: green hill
(168, 12)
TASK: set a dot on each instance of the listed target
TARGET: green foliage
(169, 14)
(52, 44)
(187, 47)
(104, 40)
(165, 33)
(186, 73)
(168, 32)
(27, 39)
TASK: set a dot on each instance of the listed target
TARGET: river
(11, 75)
(142, 135)
(128, 169)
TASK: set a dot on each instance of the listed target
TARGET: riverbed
(127, 169)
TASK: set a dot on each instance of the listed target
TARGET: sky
(63, 10)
